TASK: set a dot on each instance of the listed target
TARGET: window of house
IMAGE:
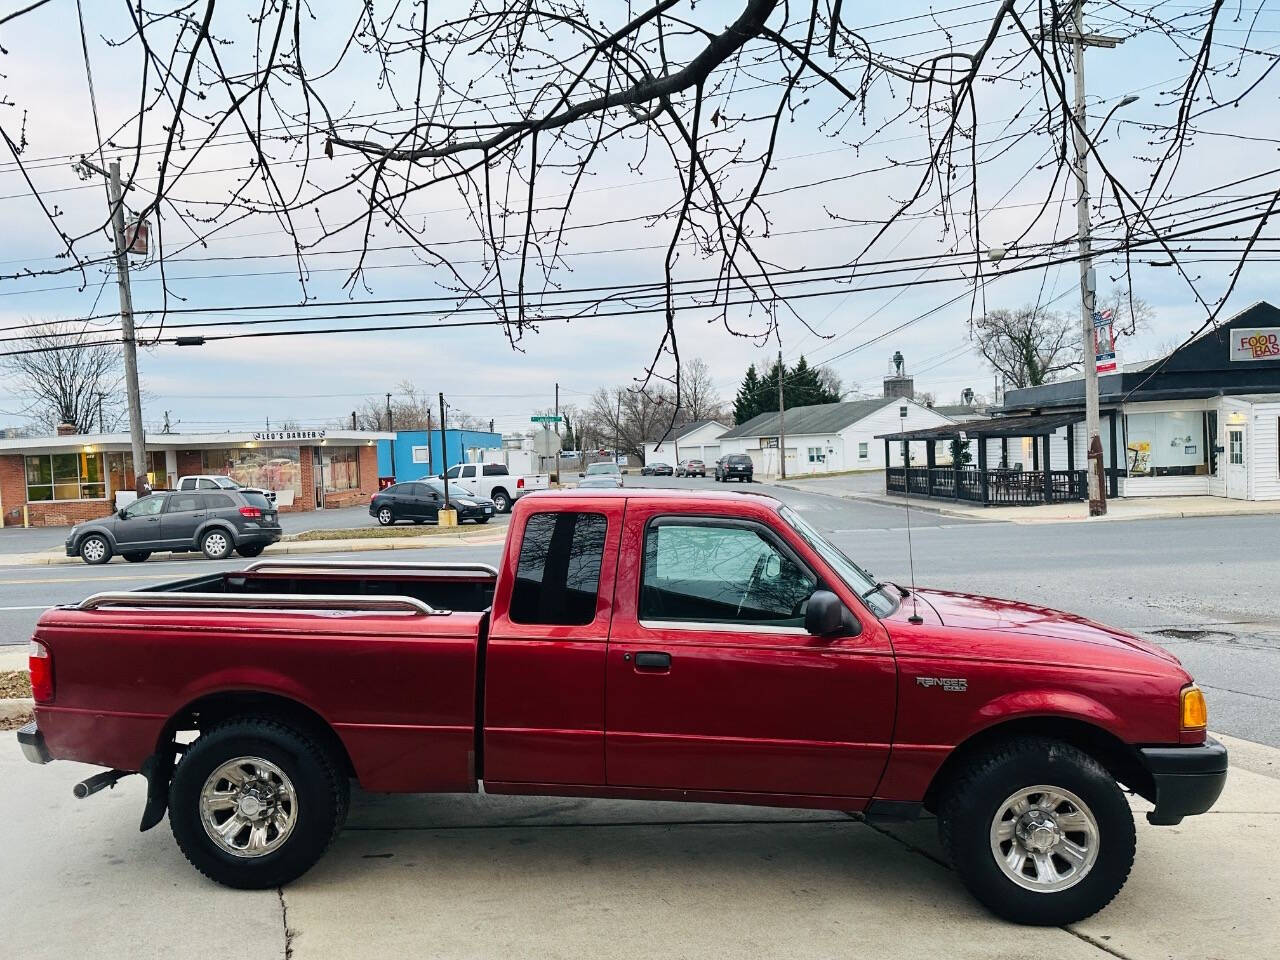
(1166, 444)
(65, 476)
(721, 572)
(558, 574)
(421, 454)
(863, 452)
(815, 455)
(341, 468)
(267, 468)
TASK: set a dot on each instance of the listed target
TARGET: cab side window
(721, 572)
(558, 574)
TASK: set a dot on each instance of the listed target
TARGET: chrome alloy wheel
(248, 807)
(93, 549)
(385, 516)
(217, 544)
(1045, 839)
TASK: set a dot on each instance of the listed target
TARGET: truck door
(712, 682)
(545, 657)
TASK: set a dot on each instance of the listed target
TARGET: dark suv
(180, 521)
(736, 466)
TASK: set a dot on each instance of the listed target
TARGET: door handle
(653, 661)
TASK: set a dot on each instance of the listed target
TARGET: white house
(699, 440)
(828, 437)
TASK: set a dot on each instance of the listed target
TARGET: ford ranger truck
(642, 644)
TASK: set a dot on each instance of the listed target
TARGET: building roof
(98, 442)
(960, 411)
(820, 418)
(990, 427)
(683, 431)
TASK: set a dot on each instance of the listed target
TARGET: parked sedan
(657, 470)
(735, 466)
(422, 500)
(691, 468)
(601, 475)
(180, 521)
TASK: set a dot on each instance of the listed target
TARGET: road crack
(289, 932)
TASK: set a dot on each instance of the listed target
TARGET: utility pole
(353, 419)
(617, 429)
(1079, 40)
(102, 423)
(429, 461)
(782, 424)
(137, 444)
(444, 457)
(391, 429)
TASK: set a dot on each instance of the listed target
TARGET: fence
(989, 487)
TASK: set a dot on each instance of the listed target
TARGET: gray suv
(180, 521)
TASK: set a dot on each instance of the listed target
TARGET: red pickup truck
(640, 644)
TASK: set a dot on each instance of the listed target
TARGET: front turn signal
(1195, 715)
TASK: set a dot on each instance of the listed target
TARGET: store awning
(993, 428)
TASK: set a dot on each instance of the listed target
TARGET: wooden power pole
(782, 424)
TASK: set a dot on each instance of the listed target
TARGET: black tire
(321, 790)
(501, 501)
(95, 549)
(972, 801)
(386, 516)
(482, 519)
(251, 550)
(136, 556)
(217, 544)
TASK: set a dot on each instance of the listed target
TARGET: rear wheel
(254, 803)
(1038, 831)
(94, 549)
(136, 556)
(501, 501)
(216, 544)
(251, 550)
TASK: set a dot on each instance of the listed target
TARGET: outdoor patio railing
(988, 487)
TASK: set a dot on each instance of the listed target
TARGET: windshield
(882, 602)
(599, 468)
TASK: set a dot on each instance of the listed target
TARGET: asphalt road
(1201, 587)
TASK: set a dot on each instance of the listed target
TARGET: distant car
(422, 500)
(656, 470)
(691, 468)
(218, 481)
(213, 521)
(735, 466)
(601, 475)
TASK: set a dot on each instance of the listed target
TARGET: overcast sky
(315, 379)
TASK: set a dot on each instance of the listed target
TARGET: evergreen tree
(802, 386)
(746, 404)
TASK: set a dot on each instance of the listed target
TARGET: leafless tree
(700, 400)
(1130, 313)
(506, 108)
(63, 373)
(1028, 346)
(633, 417)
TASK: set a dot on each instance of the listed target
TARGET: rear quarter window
(218, 501)
(558, 574)
(495, 470)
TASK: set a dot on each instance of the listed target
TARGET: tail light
(41, 666)
(520, 483)
(253, 513)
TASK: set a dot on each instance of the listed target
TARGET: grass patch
(394, 532)
(15, 685)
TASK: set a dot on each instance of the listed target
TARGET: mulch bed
(14, 684)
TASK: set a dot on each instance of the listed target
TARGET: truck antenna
(911, 559)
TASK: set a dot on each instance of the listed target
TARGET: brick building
(71, 477)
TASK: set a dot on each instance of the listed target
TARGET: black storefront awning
(994, 428)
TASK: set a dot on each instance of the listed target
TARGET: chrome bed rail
(273, 565)
(256, 602)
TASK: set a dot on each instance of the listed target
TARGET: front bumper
(1188, 780)
(32, 742)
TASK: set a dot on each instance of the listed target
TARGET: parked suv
(736, 466)
(215, 522)
(691, 468)
(217, 481)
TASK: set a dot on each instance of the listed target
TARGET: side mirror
(121, 513)
(582, 474)
(825, 615)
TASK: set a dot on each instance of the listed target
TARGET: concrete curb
(359, 545)
(13, 709)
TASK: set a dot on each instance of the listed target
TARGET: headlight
(1195, 714)
(72, 534)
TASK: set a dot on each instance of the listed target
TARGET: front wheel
(1038, 831)
(216, 544)
(94, 549)
(254, 803)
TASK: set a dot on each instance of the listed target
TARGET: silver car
(601, 475)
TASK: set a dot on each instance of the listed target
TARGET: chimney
(67, 430)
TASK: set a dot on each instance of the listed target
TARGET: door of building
(1237, 477)
(317, 475)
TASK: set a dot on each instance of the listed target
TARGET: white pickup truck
(495, 481)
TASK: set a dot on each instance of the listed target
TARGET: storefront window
(120, 469)
(341, 468)
(1169, 444)
(271, 468)
(65, 476)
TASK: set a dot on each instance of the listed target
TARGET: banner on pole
(1104, 341)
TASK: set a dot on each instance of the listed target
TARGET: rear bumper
(32, 742)
(263, 535)
(1188, 780)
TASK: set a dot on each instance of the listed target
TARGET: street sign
(545, 419)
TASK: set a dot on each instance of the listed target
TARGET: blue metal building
(417, 456)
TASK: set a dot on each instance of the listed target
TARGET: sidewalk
(865, 489)
(461, 876)
(464, 538)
